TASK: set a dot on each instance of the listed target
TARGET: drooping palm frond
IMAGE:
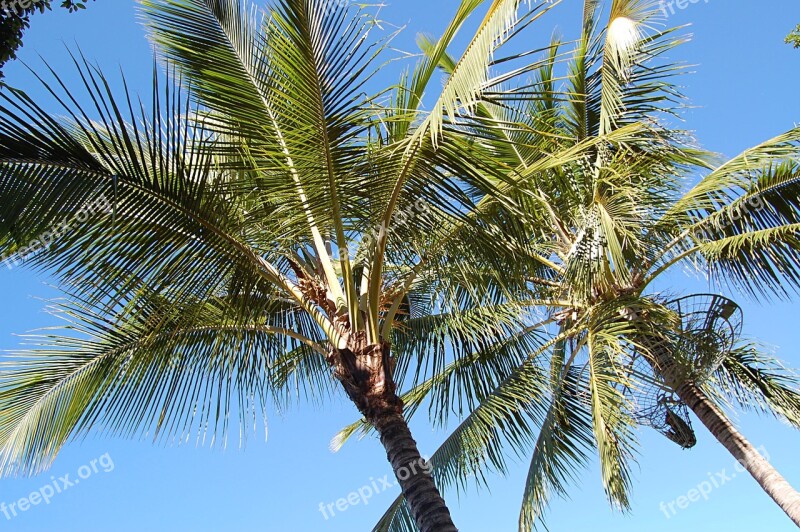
(741, 220)
(613, 426)
(589, 409)
(757, 381)
(170, 370)
(562, 449)
(302, 374)
(734, 177)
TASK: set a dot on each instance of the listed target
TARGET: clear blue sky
(745, 90)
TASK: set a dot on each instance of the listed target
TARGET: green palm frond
(302, 373)
(562, 449)
(758, 382)
(613, 427)
(759, 261)
(734, 178)
(506, 415)
(747, 230)
(168, 213)
(171, 371)
(469, 76)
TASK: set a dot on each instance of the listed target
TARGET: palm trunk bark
(365, 372)
(413, 473)
(761, 470)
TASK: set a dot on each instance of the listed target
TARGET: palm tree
(268, 221)
(607, 224)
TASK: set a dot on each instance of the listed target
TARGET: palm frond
(155, 367)
(758, 382)
(476, 444)
(562, 448)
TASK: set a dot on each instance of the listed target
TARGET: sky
(744, 90)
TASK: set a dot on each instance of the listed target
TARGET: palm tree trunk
(770, 480)
(413, 473)
(365, 372)
(762, 471)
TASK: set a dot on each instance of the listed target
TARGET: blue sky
(745, 91)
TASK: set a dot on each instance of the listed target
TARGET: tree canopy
(270, 227)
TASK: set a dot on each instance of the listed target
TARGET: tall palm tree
(607, 225)
(268, 221)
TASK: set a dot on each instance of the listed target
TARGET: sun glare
(623, 33)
